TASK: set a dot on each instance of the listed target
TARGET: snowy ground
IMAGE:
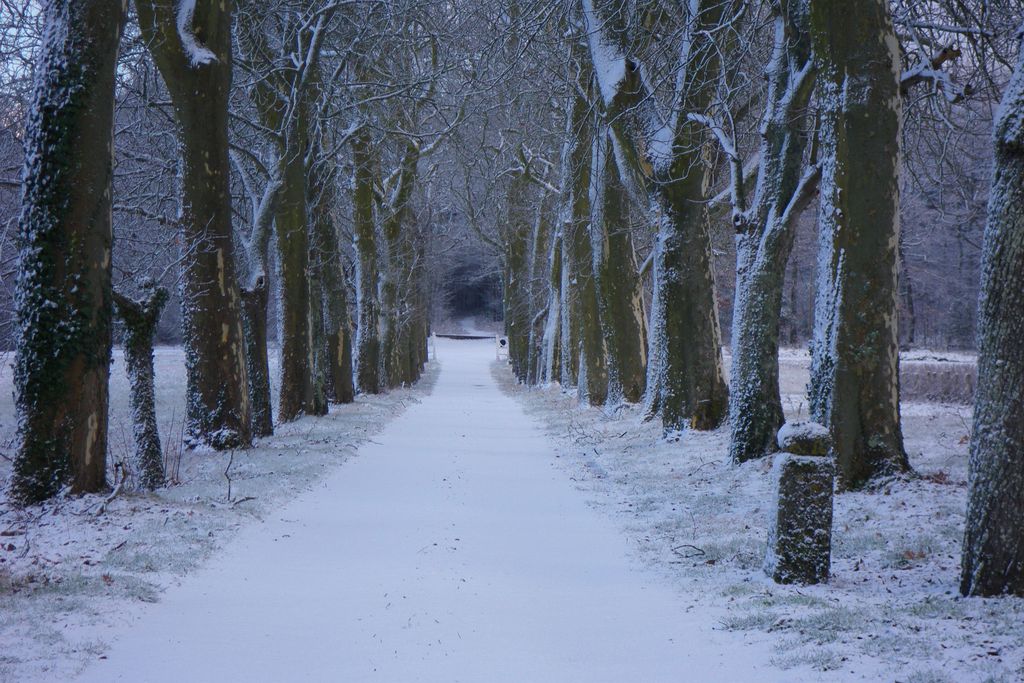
(470, 540)
(66, 571)
(891, 611)
(453, 548)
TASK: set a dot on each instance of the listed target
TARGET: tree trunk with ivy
(63, 291)
(192, 51)
(993, 550)
(140, 319)
(855, 363)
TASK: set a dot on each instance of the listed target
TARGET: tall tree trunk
(620, 291)
(577, 281)
(193, 53)
(320, 366)
(908, 295)
(368, 361)
(693, 389)
(764, 240)
(550, 367)
(855, 369)
(140, 319)
(592, 378)
(993, 551)
(296, 395)
(337, 321)
(63, 292)
(515, 284)
(539, 250)
(569, 326)
(398, 264)
(254, 318)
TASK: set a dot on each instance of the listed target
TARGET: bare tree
(765, 231)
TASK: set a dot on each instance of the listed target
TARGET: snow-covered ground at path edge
(442, 534)
(891, 610)
(452, 548)
(66, 572)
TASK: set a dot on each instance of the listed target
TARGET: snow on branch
(197, 52)
(609, 62)
(802, 196)
(945, 28)
(728, 144)
(931, 70)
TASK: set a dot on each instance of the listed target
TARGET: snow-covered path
(451, 549)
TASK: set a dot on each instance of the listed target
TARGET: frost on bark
(568, 342)
(620, 290)
(419, 324)
(993, 551)
(855, 363)
(63, 291)
(686, 336)
(693, 389)
(192, 50)
(764, 239)
(140, 318)
(368, 361)
(254, 318)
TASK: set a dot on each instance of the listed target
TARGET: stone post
(800, 532)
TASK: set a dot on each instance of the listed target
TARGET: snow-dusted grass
(891, 610)
(63, 567)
